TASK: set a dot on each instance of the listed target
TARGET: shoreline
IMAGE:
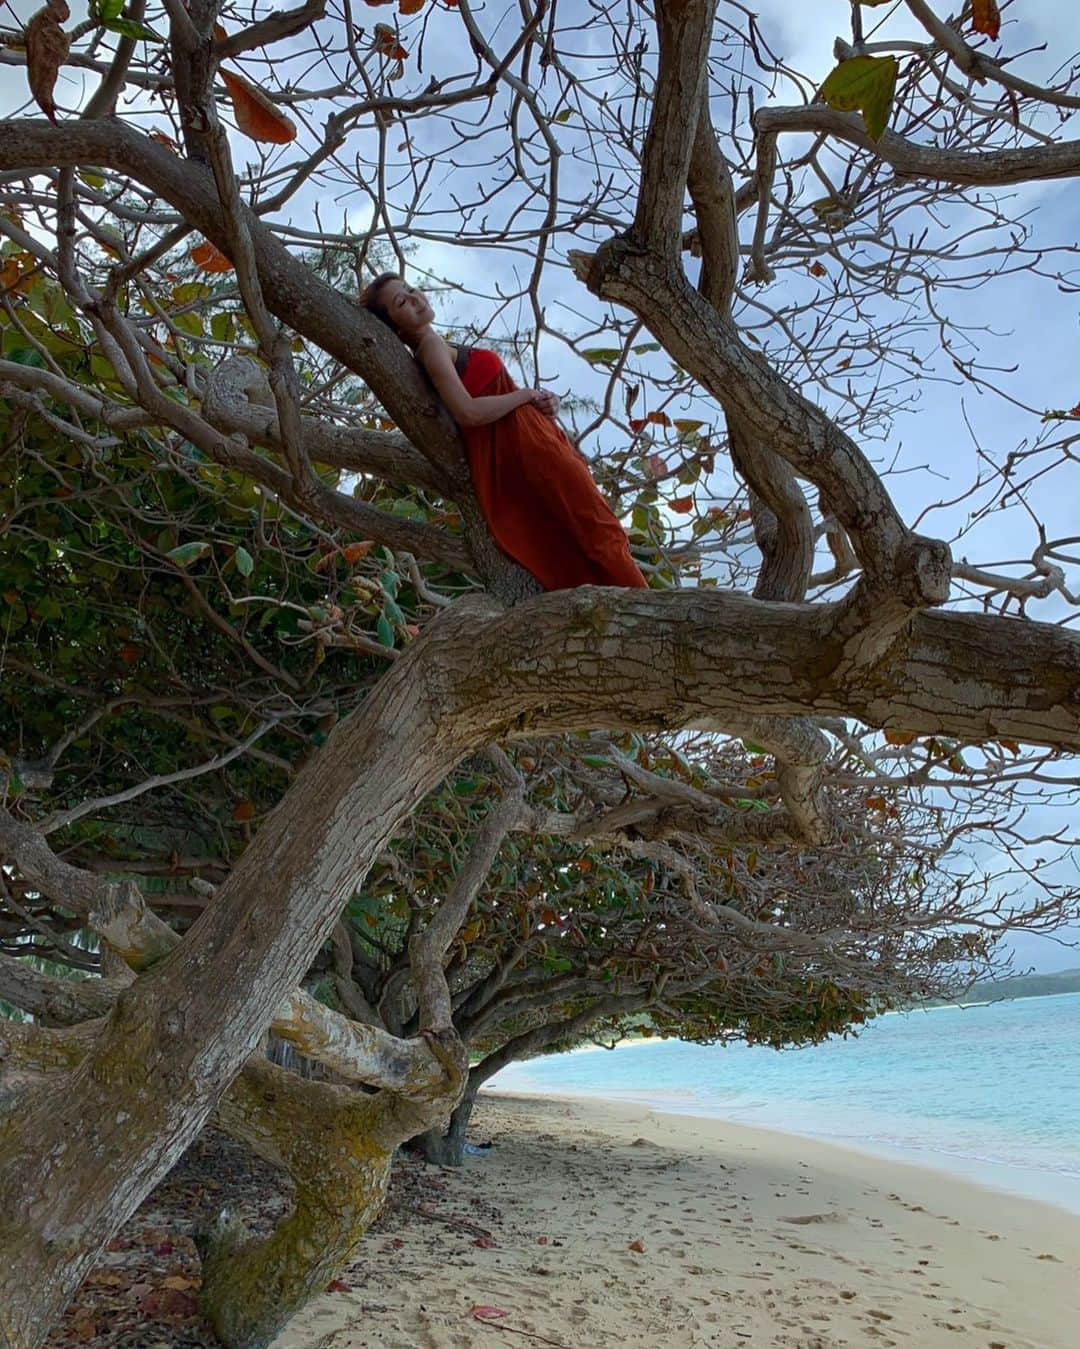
(611, 1223)
(1043, 1185)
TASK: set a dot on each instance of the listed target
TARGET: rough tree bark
(583, 658)
(338, 1146)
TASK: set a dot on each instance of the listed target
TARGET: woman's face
(408, 309)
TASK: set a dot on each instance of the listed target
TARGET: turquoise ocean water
(989, 1092)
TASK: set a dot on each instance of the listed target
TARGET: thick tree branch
(752, 392)
(685, 30)
(713, 195)
(237, 400)
(986, 168)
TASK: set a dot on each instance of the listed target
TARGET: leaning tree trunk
(77, 1156)
(338, 1146)
(446, 1146)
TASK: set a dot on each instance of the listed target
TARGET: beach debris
(338, 1286)
(485, 1243)
(167, 1303)
(482, 1313)
(451, 1220)
(638, 1246)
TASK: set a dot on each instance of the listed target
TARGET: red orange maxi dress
(536, 492)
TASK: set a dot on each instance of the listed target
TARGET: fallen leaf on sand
(180, 1282)
(638, 1246)
(168, 1302)
(482, 1313)
(485, 1243)
(338, 1286)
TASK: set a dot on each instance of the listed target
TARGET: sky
(936, 442)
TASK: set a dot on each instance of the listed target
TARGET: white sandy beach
(747, 1238)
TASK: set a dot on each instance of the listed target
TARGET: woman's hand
(545, 401)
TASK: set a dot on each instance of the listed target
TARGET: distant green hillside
(1021, 986)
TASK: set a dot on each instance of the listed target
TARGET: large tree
(787, 260)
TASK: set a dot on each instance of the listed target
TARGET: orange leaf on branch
(46, 51)
(986, 18)
(899, 737)
(681, 505)
(209, 258)
(256, 116)
(410, 6)
(13, 276)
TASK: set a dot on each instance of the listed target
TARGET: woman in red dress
(536, 492)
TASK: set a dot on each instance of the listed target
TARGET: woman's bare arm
(434, 355)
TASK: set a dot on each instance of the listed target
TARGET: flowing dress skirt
(537, 494)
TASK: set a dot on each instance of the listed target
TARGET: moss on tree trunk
(338, 1145)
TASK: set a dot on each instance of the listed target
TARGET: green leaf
(602, 355)
(27, 356)
(754, 748)
(188, 553)
(384, 631)
(135, 31)
(390, 580)
(596, 761)
(189, 323)
(643, 347)
(392, 612)
(221, 326)
(190, 291)
(565, 115)
(92, 177)
(865, 84)
(245, 564)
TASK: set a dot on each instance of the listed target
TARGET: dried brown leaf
(256, 116)
(46, 51)
(986, 18)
